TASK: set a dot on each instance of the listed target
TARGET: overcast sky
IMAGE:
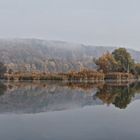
(95, 22)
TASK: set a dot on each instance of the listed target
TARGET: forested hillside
(54, 56)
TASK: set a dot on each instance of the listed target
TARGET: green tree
(124, 60)
(137, 68)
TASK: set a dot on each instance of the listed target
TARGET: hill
(53, 56)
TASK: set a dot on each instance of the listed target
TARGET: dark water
(69, 111)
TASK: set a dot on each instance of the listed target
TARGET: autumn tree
(124, 60)
(107, 63)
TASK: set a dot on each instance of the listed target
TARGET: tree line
(120, 60)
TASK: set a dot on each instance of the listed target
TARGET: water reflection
(36, 97)
(120, 96)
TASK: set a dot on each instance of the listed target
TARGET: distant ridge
(58, 56)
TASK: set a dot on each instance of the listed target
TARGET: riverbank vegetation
(118, 65)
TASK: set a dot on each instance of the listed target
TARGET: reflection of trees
(3, 88)
(106, 95)
(40, 84)
(120, 96)
(136, 87)
(124, 97)
(84, 86)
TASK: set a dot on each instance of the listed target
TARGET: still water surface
(60, 111)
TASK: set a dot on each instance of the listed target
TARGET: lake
(69, 111)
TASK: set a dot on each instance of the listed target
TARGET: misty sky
(95, 22)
